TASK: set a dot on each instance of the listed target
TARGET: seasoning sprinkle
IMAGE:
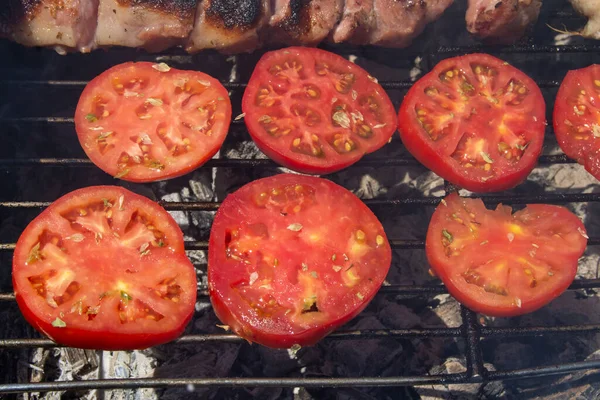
(91, 118)
(360, 295)
(242, 115)
(78, 237)
(59, 323)
(161, 67)
(337, 268)
(448, 235)
(295, 227)
(253, 278)
(304, 267)
(486, 157)
(314, 274)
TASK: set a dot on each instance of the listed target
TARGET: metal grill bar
(295, 382)
(232, 382)
(252, 163)
(390, 85)
(545, 198)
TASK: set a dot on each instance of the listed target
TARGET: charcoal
(451, 391)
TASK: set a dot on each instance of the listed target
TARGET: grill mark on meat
(229, 26)
(303, 22)
(297, 22)
(182, 9)
(234, 14)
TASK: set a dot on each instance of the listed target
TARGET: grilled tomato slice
(476, 122)
(144, 122)
(315, 112)
(104, 268)
(293, 257)
(504, 264)
(577, 117)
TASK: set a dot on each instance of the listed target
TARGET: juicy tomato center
(314, 107)
(475, 116)
(584, 101)
(60, 266)
(173, 116)
(502, 253)
(294, 268)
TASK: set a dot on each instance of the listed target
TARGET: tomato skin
(101, 332)
(170, 111)
(436, 155)
(354, 95)
(582, 145)
(302, 270)
(490, 243)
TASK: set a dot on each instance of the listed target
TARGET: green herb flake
(314, 274)
(125, 296)
(296, 227)
(34, 254)
(91, 118)
(122, 173)
(107, 203)
(59, 323)
(360, 296)
(486, 157)
(448, 236)
(160, 243)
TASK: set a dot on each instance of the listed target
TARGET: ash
(385, 357)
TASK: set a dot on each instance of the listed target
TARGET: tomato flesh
(104, 268)
(475, 121)
(144, 122)
(293, 257)
(577, 117)
(314, 111)
(504, 264)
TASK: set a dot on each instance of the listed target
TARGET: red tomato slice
(577, 117)
(476, 122)
(144, 122)
(314, 111)
(293, 257)
(503, 264)
(104, 268)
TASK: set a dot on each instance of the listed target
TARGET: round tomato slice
(476, 122)
(504, 264)
(144, 122)
(315, 112)
(293, 257)
(104, 268)
(577, 117)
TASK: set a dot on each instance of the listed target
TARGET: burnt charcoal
(511, 355)
(475, 391)
(398, 316)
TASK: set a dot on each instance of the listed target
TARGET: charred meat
(389, 23)
(62, 24)
(229, 25)
(501, 21)
(305, 22)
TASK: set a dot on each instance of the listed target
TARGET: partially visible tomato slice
(577, 117)
(144, 122)
(504, 264)
(314, 111)
(475, 121)
(104, 268)
(293, 257)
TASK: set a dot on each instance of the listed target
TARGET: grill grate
(471, 331)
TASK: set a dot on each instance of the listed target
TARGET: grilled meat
(151, 24)
(61, 24)
(305, 22)
(591, 9)
(390, 23)
(229, 25)
(501, 21)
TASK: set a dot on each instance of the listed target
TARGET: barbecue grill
(40, 159)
